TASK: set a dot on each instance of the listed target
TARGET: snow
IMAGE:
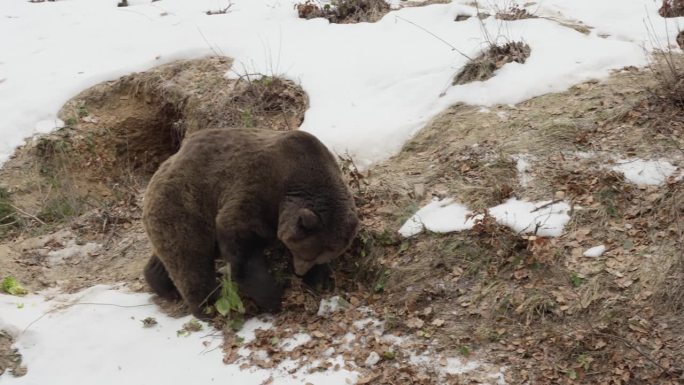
(72, 250)
(371, 85)
(100, 339)
(372, 360)
(545, 218)
(595, 251)
(331, 305)
(439, 216)
(645, 172)
(522, 165)
(48, 125)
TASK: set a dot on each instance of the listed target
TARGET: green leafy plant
(229, 303)
(11, 286)
(576, 280)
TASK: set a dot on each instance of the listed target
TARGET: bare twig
(453, 48)
(553, 202)
(22, 212)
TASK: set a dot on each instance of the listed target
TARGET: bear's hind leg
(158, 279)
(194, 274)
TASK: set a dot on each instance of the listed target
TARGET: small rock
(595, 252)
(559, 195)
(419, 190)
(372, 360)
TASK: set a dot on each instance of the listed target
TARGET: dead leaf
(415, 323)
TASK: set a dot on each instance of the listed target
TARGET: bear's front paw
(320, 278)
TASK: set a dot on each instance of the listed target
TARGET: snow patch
(546, 218)
(331, 305)
(295, 341)
(439, 216)
(645, 172)
(522, 165)
(99, 339)
(595, 251)
(48, 125)
(72, 250)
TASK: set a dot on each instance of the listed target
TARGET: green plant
(58, 209)
(576, 280)
(229, 303)
(82, 111)
(11, 286)
(248, 118)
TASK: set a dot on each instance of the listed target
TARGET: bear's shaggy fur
(229, 193)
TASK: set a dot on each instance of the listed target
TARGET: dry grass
(344, 11)
(513, 12)
(496, 56)
(672, 8)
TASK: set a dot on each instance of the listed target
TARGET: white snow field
(101, 340)
(371, 87)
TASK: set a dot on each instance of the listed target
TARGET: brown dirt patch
(10, 359)
(483, 67)
(344, 11)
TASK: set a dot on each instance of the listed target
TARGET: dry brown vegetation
(513, 12)
(672, 8)
(10, 359)
(494, 57)
(344, 11)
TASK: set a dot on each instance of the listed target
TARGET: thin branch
(79, 303)
(553, 202)
(453, 48)
(22, 212)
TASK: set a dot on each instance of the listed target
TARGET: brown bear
(229, 193)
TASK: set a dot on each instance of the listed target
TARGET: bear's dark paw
(267, 297)
(320, 278)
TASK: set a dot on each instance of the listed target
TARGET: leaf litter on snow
(349, 338)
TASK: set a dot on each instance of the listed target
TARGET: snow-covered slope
(371, 86)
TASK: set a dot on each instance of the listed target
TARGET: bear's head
(316, 235)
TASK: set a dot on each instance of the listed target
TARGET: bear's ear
(307, 220)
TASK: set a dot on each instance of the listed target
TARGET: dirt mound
(136, 122)
(496, 56)
(344, 11)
